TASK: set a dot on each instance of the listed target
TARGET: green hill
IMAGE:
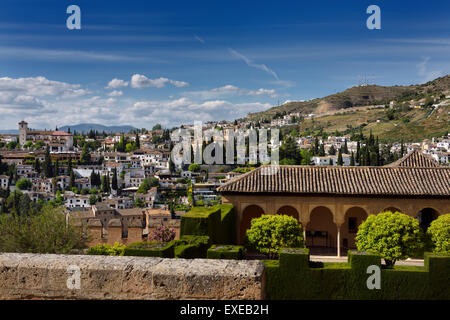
(359, 96)
(354, 109)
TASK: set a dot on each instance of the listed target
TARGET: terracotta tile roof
(415, 159)
(391, 181)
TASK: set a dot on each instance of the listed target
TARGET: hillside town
(129, 179)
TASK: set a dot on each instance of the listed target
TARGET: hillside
(355, 109)
(359, 96)
(86, 127)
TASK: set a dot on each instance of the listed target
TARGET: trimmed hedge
(227, 231)
(191, 247)
(144, 249)
(201, 221)
(107, 249)
(217, 222)
(293, 276)
(225, 252)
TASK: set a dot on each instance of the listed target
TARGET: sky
(172, 62)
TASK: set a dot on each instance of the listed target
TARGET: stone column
(339, 240)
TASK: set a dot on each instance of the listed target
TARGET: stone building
(57, 140)
(109, 225)
(331, 202)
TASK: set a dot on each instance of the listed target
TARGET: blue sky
(174, 62)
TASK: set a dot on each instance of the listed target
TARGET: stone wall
(50, 276)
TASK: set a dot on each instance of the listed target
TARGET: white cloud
(41, 86)
(115, 93)
(199, 39)
(116, 83)
(141, 81)
(228, 91)
(250, 63)
(45, 104)
(427, 74)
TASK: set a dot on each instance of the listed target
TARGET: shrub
(225, 252)
(392, 235)
(269, 233)
(163, 234)
(201, 221)
(439, 231)
(107, 250)
(191, 247)
(226, 233)
(24, 184)
(44, 232)
(150, 249)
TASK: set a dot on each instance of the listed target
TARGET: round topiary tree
(439, 232)
(393, 235)
(269, 233)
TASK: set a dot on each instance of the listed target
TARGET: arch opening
(289, 211)
(321, 231)
(249, 213)
(425, 217)
(352, 220)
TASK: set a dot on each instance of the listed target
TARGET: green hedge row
(191, 247)
(149, 249)
(217, 222)
(225, 252)
(201, 221)
(294, 276)
(227, 231)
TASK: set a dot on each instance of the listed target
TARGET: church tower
(23, 128)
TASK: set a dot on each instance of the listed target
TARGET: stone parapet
(51, 276)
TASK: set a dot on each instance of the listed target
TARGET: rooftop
(392, 181)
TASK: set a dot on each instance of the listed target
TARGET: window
(352, 225)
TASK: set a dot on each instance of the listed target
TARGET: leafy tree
(332, 150)
(44, 232)
(24, 184)
(269, 233)
(306, 156)
(322, 150)
(92, 199)
(290, 150)
(157, 127)
(393, 235)
(147, 184)
(138, 203)
(85, 155)
(439, 232)
(194, 167)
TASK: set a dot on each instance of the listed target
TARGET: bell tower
(23, 128)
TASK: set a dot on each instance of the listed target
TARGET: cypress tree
(138, 143)
(104, 184)
(37, 166)
(340, 161)
(358, 153)
(352, 159)
(72, 180)
(345, 150)
(48, 168)
(57, 167)
(114, 184)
